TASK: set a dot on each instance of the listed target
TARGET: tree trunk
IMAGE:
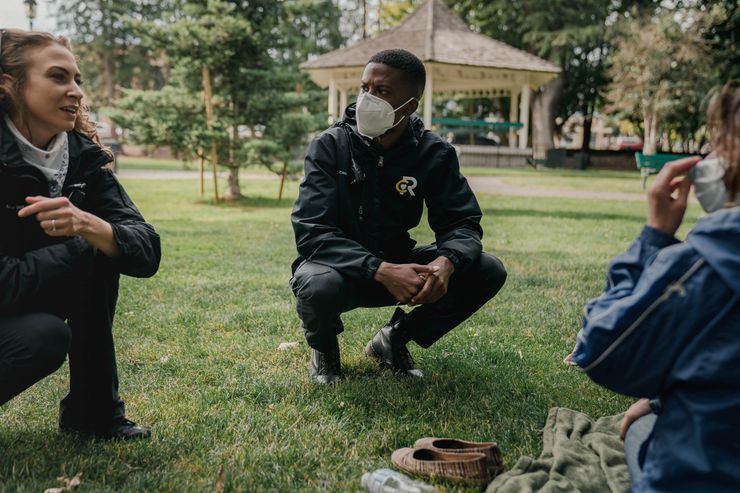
(586, 143)
(650, 124)
(209, 120)
(544, 102)
(233, 191)
(283, 174)
(364, 18)
(202, 171)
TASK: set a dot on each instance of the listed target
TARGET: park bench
(654, 163)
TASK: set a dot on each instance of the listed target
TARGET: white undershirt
(53, 162)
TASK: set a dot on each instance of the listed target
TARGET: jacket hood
(350, 118)
(717, 238)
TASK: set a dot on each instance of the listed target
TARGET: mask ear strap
(404, 104)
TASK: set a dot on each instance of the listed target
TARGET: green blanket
(579, 455)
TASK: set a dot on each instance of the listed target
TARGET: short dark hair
(405, 61)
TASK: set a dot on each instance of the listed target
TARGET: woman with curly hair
(67, 231)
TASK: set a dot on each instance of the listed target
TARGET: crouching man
(367, 179)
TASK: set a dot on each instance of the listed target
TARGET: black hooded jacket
(30, 260)
(356, 205)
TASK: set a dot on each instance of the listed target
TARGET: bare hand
(435, 284)
(665, 212)
(57, 217)
(403, 281)
(636, 411)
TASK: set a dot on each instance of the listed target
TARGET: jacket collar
(82, 151)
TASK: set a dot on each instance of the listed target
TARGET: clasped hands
(416, 284)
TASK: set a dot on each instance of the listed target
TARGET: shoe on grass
(494, 458)
(120, 429)
(326, 367)
(388, 347)
(465, 467)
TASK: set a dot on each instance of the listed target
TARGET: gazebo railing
(464, 122)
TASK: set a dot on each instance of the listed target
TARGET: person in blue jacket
(667, 327)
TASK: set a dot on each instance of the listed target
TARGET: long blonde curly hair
(16, 48)
(723, 122)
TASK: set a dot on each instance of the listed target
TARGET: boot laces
(404, 360)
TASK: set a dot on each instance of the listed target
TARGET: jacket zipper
(380, 162)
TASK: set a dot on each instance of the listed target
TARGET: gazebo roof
(435, 34)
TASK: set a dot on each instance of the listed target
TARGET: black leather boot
(120, 429)
(326, 366)
(388, 347)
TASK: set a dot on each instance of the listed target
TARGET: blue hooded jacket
(668, 326)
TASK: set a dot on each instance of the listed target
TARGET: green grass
(198, 359)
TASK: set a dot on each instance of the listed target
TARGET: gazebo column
(513, 116)
(332, 101)
(524, 110)
(342, 102)
(428, 92)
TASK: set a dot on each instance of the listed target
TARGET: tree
(167, 117)
(111, 55)
(658, 60)
(571, 35)
(246, 54)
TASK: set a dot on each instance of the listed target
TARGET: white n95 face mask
(375, 115)
(709, 187)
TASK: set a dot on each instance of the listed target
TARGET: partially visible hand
(665, 212)
(435, 285)
(403, 281)
(636, 411)
(57, 217)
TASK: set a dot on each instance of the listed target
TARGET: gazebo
(458, 61)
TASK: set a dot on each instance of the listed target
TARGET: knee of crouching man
(317, 284)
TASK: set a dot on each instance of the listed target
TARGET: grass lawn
(198, 359)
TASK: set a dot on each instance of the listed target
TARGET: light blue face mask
(709, 186)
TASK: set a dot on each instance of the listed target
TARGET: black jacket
(355, 206)
(31, 260)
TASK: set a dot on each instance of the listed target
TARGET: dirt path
(492, 184)
(479, 184)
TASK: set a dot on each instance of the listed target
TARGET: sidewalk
(479, 184)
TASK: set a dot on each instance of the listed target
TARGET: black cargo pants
(322, 295)
(34, 340)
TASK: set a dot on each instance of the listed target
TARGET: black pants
(34, 340)
(322, 295)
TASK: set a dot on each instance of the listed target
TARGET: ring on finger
(53, 224)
